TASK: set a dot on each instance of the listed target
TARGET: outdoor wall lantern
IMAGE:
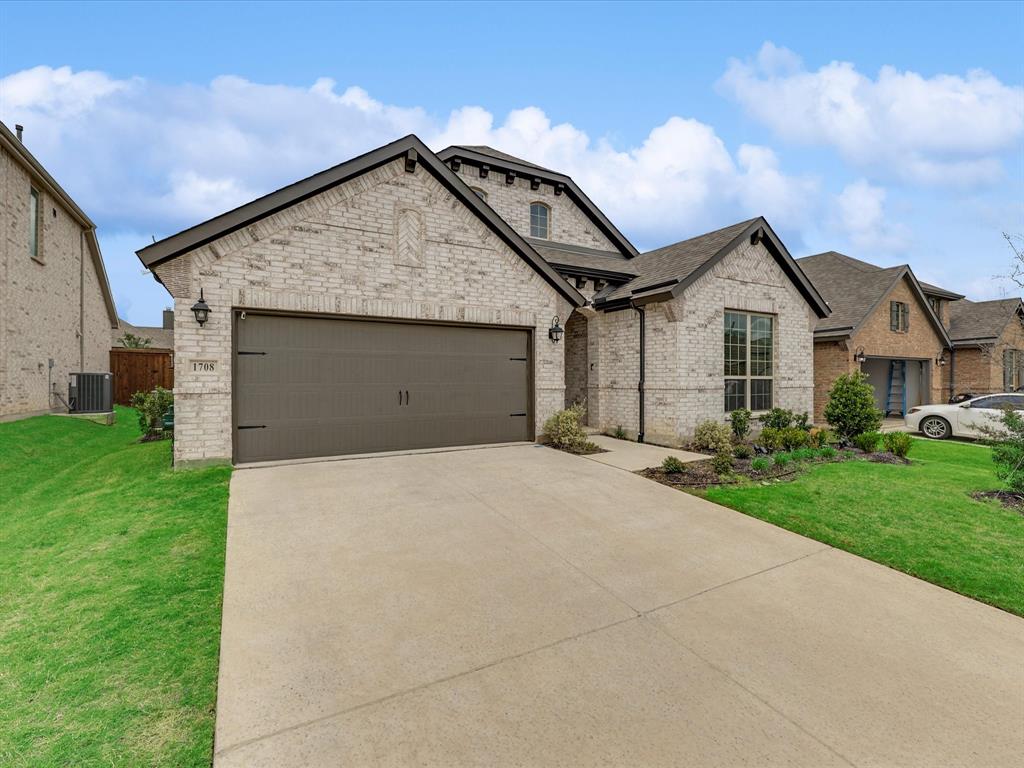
(941, 359)
(556, 331)
(859, 356)
(201, 310)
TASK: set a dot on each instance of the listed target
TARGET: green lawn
(919, 519)
(111, 575)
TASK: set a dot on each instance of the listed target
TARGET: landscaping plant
(713, 437)
(867, 441)
(851, 406)
(740, 420)
(151, 407)
(898, 443)
(761, 464)
(828, 452)
(804, 454)
(777, 418)
(722, 462)
(564, 430)
(782, 459)
(820, 437)
(802, 421)
(771, 438)
(743, 451)
(673, 465)
(1008, 451)
(619, 433)
(793, 438)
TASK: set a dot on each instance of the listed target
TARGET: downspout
(952, 372)
(640, 384)
(81, 300)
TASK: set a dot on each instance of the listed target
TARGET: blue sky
(890, 132)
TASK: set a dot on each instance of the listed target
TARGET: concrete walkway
(630, 455)
(521, 606)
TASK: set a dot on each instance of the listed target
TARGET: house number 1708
(204, 366)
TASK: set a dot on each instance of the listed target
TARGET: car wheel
(935, 427)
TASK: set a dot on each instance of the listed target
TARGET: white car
(964, 419)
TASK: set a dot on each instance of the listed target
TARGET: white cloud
(945, 129)
(147, 157)
(859, 215)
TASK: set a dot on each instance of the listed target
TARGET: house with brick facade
(406, 299)
(56, 308)
(917, 343)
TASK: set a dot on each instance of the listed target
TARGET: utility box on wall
(91, 393)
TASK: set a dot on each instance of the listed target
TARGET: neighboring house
(161, 337)
(988, 345)
(56, 308)
(409, 300)
(917, 343)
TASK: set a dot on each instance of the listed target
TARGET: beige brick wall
(568, 224)
(575, 359)
(685, 383)
(339, 253)
(40, 300)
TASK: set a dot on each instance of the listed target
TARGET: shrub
(761, 464)
(740, 420)
(770, 438)
(619, 433)
(722, 462)
(851, 406)
(802, 421)
(820, 437)
(1008, 451)
(827, 452)
(847, 454)
(777, 418)
(712, 437)
(793, 438)
(782, 459)
(673, 465)
(898, 443)
(867, 441)
(742, 451)
(564, 429)
(151, 407)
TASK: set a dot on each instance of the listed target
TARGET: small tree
(151, 407)
(851, 406)
(740, 420)
(131, 341)
(1008, 450)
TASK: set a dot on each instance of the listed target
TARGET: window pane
(760, 394)
(538, 220)
(761, 346)
(735, 344)
(33, 223)
(735, 394)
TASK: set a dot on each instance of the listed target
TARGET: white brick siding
(339, 253)
(685, 355)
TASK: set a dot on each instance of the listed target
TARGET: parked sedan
(966, 419)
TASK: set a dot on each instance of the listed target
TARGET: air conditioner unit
(91, 392)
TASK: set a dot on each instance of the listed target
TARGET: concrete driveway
(520, 606)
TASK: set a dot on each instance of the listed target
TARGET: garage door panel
(324, 386)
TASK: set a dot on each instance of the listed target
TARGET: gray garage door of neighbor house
(315, 386)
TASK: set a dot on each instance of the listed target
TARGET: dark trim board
(530, 359)
(416, 155)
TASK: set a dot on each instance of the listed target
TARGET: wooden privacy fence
(140, 370)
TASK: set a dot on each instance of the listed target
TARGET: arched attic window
(540, 220)
(479, 193)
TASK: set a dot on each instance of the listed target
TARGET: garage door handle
(399, 397)
(407, 397)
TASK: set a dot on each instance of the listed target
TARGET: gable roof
(12, 144)
(415, 152)
(481, 155)
(981, 321)
(159, 337)
(578, 258)
(666, 272)
(854, 288)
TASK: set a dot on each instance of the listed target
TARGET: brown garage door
(309, 386)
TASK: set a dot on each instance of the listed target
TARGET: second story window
(936, 304)
(899, 316)
(540, 220)
(33, 224)
(479, 193)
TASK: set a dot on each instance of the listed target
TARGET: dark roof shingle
(851, 287)
(980, 319)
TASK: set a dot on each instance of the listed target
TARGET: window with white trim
(540, 220)
(749, 361)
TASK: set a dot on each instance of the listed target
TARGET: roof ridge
(738, 224)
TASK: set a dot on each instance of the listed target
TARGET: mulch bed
(1014, 501)
(156, 437)
(883, 457)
